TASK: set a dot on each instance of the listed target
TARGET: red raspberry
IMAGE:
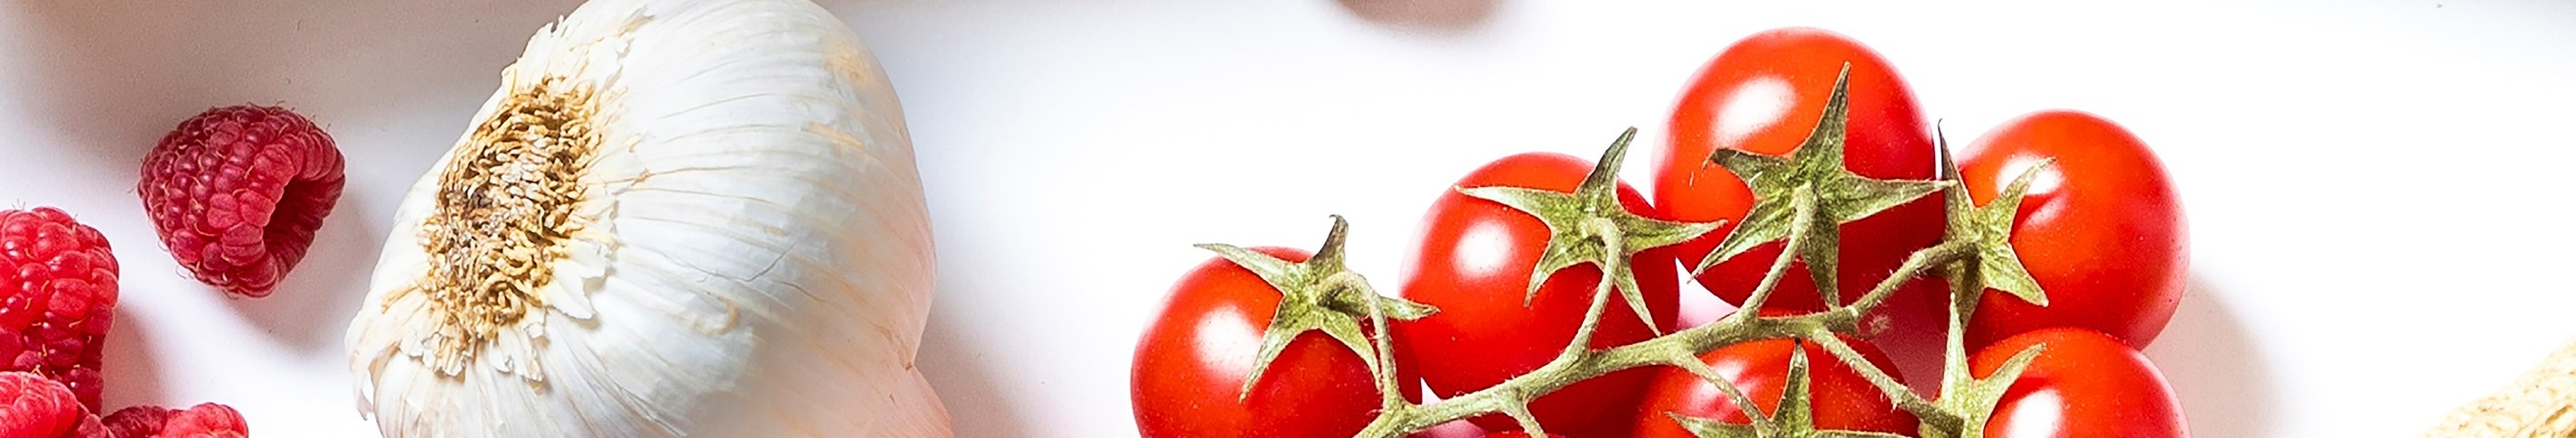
(89, 427)
(138, 421)
(237, 192)
(206, 420)
(57, 298)
(32, 406)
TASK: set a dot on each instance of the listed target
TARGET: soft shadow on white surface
(2207, 355)
(961, 372)
(132, 374)
(121, 73)
(309, 311)
(1438, 17)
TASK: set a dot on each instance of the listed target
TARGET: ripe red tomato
(1764, 95)
(1453, 429)
(2085, 384)
(1837, 395)
(1474, 264)
(2100, 229)
(1191, 365)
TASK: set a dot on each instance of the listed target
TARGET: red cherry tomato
(1837, 395)
(1454, 429)
(1474, 264)
(1191, 365)
(2084, 385)
(1764, 95)
(2100, 229)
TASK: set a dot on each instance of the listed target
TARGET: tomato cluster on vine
(1522, 298)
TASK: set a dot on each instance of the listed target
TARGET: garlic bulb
(675, 218)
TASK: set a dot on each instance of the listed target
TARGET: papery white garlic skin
(752, 255)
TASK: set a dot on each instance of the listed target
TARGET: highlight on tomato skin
(1194, 356)
(1474, 261)
(1764, 94)
(2084, 384)
(2100, 228)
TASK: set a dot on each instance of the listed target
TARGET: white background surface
(2377, 200)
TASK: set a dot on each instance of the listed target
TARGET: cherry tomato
(1764, 95)
(2083, 385)
(1474, 264)
(1453, 429)
(2100, 229)
(1193, 360)
(1837, 395)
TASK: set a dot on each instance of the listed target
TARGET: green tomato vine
(1801, 199)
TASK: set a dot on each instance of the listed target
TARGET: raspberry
(206, 420)
(32, 406)
(237, 192)
(137, 421)
(57, 298)
(89, 427)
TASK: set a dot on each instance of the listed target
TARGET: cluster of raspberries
(57, 296)
(235, 194)
(32, 406)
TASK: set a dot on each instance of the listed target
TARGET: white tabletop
(2376, 192)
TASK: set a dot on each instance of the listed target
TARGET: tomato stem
(1318, 294)
(1676, 349)
(1887, 385)
(1601, 294)
(1779, 266)
(1802, 199)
